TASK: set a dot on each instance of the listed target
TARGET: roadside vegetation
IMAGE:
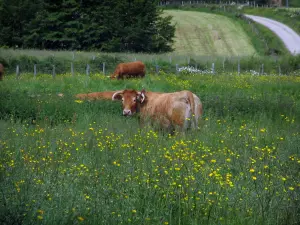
(292, 3)
(289, 17)
(67, 161)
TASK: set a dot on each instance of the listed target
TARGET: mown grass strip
(209, 34)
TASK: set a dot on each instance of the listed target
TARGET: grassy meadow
(209, 34)
(65, 161)
(224, 30)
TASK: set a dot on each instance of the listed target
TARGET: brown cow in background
(1, 72)
(105, 95)
(127, 70)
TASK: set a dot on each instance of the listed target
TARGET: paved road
(289, 37)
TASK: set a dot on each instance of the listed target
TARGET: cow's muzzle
(127, 112)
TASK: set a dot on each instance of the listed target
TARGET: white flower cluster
(191, 69)
(253, 72)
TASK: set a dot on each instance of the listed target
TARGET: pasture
(202, 33)
(67, 161)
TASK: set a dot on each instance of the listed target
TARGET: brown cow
(178, 109)
(1, 72)
(131, 69)
(105, 95)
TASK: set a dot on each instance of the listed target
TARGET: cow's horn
(142, 94)
(117, 95)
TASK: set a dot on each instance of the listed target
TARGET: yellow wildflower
(80, 218)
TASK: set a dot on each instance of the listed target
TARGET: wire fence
(161, 68)
(220, 2)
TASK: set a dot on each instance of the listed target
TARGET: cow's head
(113, 76)
(130, 100)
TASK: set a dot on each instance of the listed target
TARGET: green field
(200, 33)
(64, 161)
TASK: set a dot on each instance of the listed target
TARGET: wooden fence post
(53, 71)
(103, 68)
(87, 70)
(213, 68)
(72, 69)
(34, 70)
(17, 72)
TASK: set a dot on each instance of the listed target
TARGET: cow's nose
(126, 112)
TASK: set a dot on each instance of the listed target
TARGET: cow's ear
(142, 96)
(117, 96)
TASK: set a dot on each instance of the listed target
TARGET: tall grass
(64, 161)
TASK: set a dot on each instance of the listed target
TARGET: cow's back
(132, 69)
(168, 108)
(105, 95)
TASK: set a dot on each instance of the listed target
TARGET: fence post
(279, 70)
(73, 55)
(72, 69)
(87, 70)
(189, 59)
(53, 71)
(34, 70)
(156, 68)
(17, 72)
(103, 68)
(213, 68)
(94, 57)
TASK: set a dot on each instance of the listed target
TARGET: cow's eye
(134, 100)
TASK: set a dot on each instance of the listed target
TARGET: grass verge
(290, 18)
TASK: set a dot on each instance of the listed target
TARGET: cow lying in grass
(127, 70)
(1, 72)
(105, 95)
(170, 110)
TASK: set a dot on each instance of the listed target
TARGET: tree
(56, 26)
(106, 25)
(14, 15)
